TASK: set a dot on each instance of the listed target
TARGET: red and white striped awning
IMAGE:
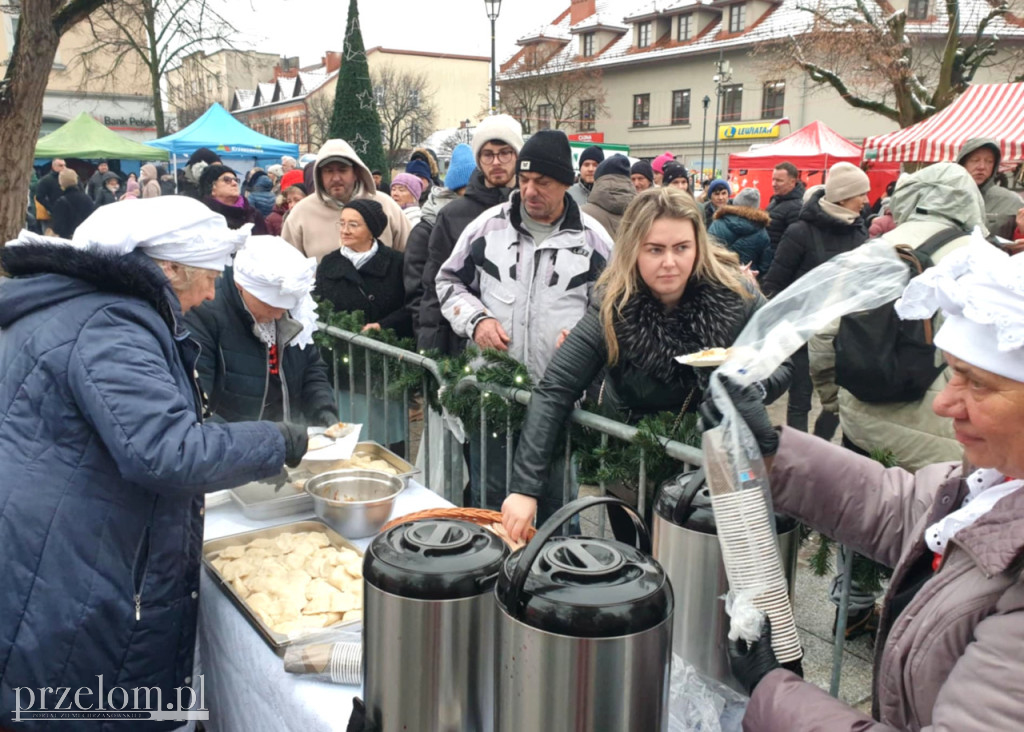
(984, 110)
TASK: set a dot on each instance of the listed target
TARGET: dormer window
(917, 10)
(685, 27)
(643, 34)
(737, 17)
(588, 44)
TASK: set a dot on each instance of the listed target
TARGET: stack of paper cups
(346, 665)
(752, 563)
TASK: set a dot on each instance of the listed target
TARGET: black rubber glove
(326, 417)
(751, 662)
(295, 441)
(748, 401)
(358, 722)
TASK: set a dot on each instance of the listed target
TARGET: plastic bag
(866, 277)
(745, 620)
(331, 655)
(697, 703)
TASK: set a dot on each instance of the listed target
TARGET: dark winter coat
(261, 195)
(710, 210)
(105, 460)
(72, 208)
(48, 190)
(784, 211)
(646, 379)
(814, 239)
(237, 216)
(743, 230)
(417, 252)
(234, 367)
(105, 195)
(275, 220)
(608, 200)
(376, 288)
(95, 185)
(435, 332)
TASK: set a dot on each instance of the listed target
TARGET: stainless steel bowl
(355, 503)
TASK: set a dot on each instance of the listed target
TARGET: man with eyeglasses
(339, 176)
(496, 144)
(520, 277)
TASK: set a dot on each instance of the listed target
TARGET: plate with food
(708, 358)
(336, 442)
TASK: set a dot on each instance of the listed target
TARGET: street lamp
(722, 76)
(704, 137)
(493, 9)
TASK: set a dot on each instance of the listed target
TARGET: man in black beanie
(519, 278)
(589, 160)
(642, 175)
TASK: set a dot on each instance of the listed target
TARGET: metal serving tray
(278, 496)
(277, 641)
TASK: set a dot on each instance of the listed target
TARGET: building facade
(120, 99)
(660, 61)
(202, 79)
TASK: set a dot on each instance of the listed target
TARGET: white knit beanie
(845, 180)
(497, 127)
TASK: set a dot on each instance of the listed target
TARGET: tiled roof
(785, 19)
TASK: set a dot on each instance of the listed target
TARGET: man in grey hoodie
(980, 157)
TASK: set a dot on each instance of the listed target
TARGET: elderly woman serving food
(948, 655)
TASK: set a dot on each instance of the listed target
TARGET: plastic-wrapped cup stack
(752, 563)
(346, 664)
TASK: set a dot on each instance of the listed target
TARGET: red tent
(984, 110)
(812, 149)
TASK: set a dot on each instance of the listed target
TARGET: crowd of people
(594, 279)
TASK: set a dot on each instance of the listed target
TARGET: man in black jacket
(784, 208)
(496, 144)
(48, 190)
(258, 359)
(94, 188)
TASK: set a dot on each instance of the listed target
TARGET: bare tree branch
(559, 84)
(406, 109)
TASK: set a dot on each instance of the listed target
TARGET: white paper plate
(339, 449)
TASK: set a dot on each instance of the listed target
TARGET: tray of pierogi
(289, 580)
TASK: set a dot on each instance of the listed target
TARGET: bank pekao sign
(129, 123)
(750, 130)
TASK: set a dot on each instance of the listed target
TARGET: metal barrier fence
(452, 459)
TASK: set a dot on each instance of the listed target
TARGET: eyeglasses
(228, 179)
(503, 156)
(349, 226)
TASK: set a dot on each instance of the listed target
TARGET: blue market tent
(226, 136)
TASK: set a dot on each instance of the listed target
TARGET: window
(773, 99)
(588, 115)
(378, 95)
(917, 9)
(543, 116)
(643, 34)
(737, 17)
(681, 107)
(641, 110)
(732, 102)
(685, 27)
(414, 99)
(588, 44)
(415, 133)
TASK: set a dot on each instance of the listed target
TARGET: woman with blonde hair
(667, 291)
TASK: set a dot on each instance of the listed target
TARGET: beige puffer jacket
(312, 224)
(952, 659)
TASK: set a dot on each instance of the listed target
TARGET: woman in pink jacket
(950, 650)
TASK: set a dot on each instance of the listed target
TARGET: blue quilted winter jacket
(104, 461)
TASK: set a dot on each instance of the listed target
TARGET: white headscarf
(980, 290)
(273, 271)
(175, 228)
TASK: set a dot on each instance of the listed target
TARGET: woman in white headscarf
(258, 360)
(948, 655)
(105, 454)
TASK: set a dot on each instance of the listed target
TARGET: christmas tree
(355, 118)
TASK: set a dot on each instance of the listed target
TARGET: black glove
(751, 662)
(295, 441)
(326, 417)
(748, 401)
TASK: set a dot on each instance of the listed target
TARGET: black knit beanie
(547, 152)
(592, 153)
(204, 154)
(643, 167)
(614, 165)
(210, 174)
(671, 171)
(372, 213)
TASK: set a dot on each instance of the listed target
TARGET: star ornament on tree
(354, 54)
(359, 144)
(365, 99)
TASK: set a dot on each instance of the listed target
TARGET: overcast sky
(307, 28)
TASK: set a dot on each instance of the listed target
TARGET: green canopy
(84, 137)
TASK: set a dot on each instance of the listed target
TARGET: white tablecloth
(247, 688)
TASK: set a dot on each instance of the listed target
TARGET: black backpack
(881, 358)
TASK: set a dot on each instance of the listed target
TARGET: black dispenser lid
(585, 587)
(685, 501)
(434, 559)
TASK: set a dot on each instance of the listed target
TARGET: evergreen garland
(355, 117)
